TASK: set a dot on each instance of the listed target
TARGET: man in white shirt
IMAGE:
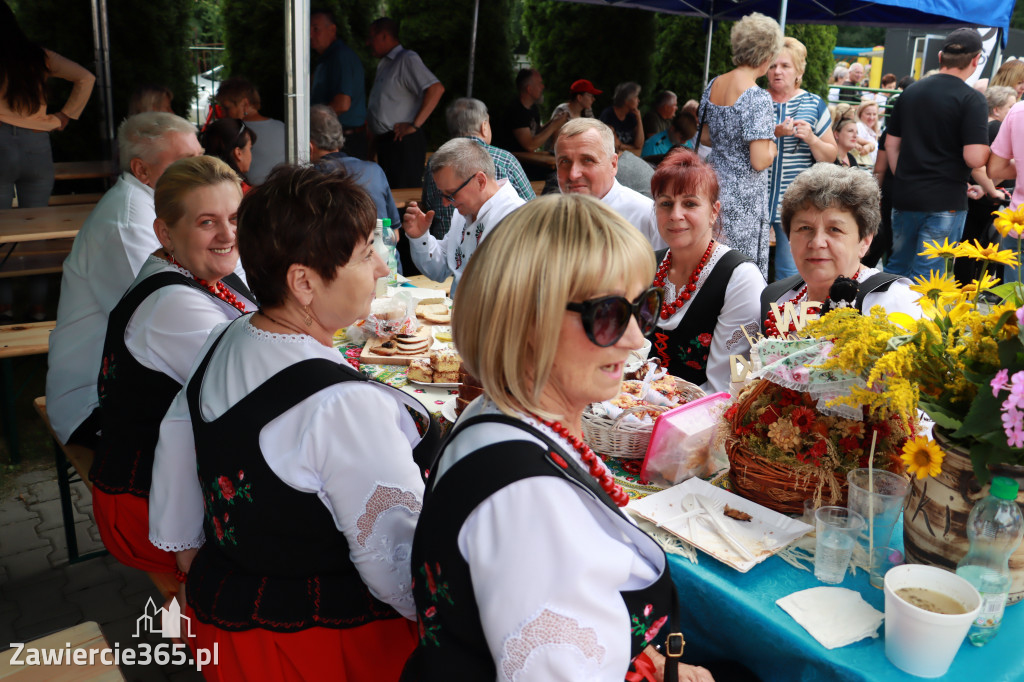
(463, 171)
(108, 253)
(586, 163)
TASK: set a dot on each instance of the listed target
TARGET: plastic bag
(681, 445)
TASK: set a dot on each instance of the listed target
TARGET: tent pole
(296, 66)
(472, 48)
(783, 8)
(101, 50)
(707, 53)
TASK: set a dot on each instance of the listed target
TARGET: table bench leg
(10, 420)
(64, 480)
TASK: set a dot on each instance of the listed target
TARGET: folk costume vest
(685, 349)
(880, 281)
(273, 557)
(452, 645)
(130, 416)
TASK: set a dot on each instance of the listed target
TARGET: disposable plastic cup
(809, 509)
(882, 560)
(837, 531)
(879, 497)
(921, 642)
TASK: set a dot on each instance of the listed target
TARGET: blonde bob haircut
(798, 53)
(183, 177)
(755, 39)
(510, 304)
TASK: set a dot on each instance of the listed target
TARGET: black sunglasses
(238, 137)
(606, 319)
(451, 197)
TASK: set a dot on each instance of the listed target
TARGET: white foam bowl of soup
(928, 612)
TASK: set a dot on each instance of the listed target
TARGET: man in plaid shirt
(467, 117)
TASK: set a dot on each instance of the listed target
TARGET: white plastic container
(921, 642)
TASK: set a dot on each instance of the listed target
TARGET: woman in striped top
(803, 128)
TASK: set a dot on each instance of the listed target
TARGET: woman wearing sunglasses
(524, 567)
(231, 141)
(711, 291)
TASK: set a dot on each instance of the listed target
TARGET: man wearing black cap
(937, 133)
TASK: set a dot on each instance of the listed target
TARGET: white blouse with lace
(350, 444)
(168, 328)
(741, 308)
(548, 562)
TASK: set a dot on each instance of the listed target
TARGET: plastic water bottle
(382, 250)
(995, 528)
(391, 243)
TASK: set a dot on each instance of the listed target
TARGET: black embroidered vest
(273, 557)
(133, 398)
(685, 349)
(452, 645)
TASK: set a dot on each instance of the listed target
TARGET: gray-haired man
(464, 173)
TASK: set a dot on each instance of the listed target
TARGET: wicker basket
(617, 438)
(777, 487)
(772, 484)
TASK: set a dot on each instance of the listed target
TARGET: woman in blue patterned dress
(736, 121)
(803, 127)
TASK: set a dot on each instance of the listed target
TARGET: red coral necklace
(219, 289)
(669, 308)
(603, 476)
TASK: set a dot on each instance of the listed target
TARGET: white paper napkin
(835, 616)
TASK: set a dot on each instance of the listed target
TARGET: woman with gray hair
(623, 117)
(830, 214)
(524, 565)
(736, 120)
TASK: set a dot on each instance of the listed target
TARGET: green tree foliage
(679, 53)
(148, 44)
(607, 45)
(439, 31)
(849, 35)
(255, 47)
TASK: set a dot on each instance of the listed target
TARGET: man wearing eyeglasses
(463, 171)
(586, 163)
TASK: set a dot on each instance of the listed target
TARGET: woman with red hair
(711, 291)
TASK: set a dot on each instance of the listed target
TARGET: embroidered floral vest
(133, 398)
(273, 557)
(452, 644)
(685, 349)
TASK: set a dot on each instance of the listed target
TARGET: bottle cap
(386, 221)
(1004, 488)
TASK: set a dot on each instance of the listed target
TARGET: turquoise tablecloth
(727, 615)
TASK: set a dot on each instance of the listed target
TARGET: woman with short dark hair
(623, 117)
(297, 470)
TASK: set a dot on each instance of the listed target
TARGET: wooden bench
(86, 636)
(84, 170)
(80, 459)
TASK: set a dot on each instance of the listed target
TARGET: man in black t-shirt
(937, 133)
(521, 130)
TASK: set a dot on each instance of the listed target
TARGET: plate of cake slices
(440, 369)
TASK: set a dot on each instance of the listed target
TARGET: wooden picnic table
(48, 222)
(403, 196)
(79, 170)
(536, 158)
(86, 636)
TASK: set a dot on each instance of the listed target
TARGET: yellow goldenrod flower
(989, 252)
(923, 457)
(936, 287)
(944, 250)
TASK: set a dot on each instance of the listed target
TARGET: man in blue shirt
(339, 80)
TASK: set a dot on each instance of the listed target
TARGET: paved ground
(41, 593)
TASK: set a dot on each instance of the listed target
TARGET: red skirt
(376, 651)
(123, 522)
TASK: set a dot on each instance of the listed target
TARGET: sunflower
(923, 457)
(944, 250)
(936, 287)
(1009, 223)
(989, 252)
